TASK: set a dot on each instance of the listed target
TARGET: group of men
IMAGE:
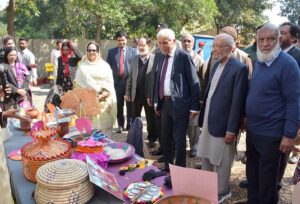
(232, 92)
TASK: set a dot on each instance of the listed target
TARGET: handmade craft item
(143, 192)
(42, 150)
(118, 151)
(88, 98)
(64, 181)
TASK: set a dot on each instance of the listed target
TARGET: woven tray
(63, 181)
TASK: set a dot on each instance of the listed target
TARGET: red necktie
(162, 77)
(121, 68)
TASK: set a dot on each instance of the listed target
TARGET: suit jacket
(184, 85)
(113, 59)
(295, 53)
(11, 80)
(133, 74)
(228, 101)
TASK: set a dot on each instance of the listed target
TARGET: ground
(238, 169)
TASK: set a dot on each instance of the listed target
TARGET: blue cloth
(272, 106)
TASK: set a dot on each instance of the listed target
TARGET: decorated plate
(118, 151)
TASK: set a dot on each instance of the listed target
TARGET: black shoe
(151, 144)
(119, 130)
(156, 153)
(161, 160)
(243, 184)
(127, 127)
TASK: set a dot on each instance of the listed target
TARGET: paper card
(38, 125)
(104, 179)
(84, 124)
(195, 182)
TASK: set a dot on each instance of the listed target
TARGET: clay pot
(32, 113)
(63, 128)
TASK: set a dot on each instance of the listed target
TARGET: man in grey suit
(177, 96)
(187, 41)
(221, 113)
(137, 86)
(118, 58)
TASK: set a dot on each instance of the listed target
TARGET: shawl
(98, 76)
(65, 59)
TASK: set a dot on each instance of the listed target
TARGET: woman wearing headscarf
(95, 73)
(67, 64)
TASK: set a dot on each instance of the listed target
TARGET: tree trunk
(10, 10)
(98, 27)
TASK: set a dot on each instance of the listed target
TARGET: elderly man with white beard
(272, 110)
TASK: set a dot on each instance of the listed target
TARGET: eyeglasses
(219, 46)
(91, 50)
(65, 50)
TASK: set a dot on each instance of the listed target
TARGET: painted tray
(118, 151)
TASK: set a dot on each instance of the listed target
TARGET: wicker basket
(64, 181)
(42, 150)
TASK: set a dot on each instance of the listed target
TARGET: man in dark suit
(118, 59)
(222, 110)
(177, 96)
(137, 86)
(288, 38)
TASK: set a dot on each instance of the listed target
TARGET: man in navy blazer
(118, 58)
(221, 113)
(177, 96)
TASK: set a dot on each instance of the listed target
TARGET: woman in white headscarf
(95, 73)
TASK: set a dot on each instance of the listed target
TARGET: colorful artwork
(103, 178)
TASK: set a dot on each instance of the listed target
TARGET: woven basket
(43, 150)
(64, 181)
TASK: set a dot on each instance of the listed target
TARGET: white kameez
(210, 147)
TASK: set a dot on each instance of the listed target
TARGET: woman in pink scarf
(67, 65)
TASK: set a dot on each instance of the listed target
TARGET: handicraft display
(102, 178)
(42, 150)
(143, 192)
(119, 151)
(64, 181)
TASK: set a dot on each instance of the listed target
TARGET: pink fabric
(101, 158)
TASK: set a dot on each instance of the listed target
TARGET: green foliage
(291, 9)
(245, 15)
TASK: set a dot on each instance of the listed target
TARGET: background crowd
(256, 90)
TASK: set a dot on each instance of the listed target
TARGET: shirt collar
(288, 49)
(270, 62)
(173, 51)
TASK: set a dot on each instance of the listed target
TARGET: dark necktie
(121, 70)
(162, 77)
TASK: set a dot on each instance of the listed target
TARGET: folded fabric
(151, 174)
(168, 182)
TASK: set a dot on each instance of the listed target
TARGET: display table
(23, 190)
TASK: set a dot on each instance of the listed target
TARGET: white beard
(267, 57)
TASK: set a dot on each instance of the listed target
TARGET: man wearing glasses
(221, 113)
